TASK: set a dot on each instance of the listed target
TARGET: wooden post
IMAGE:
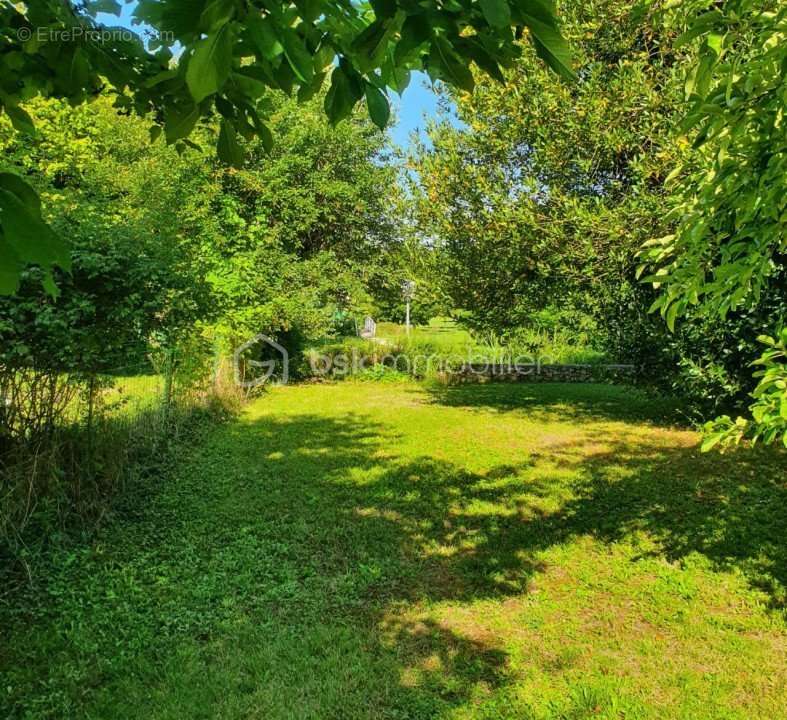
(408, 288)
(168, 373)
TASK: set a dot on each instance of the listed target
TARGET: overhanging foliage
(223, 56)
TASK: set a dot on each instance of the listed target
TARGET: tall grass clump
(70, 442)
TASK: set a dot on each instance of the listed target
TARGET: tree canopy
(169, 248)
(546, 191)
(672, 138)
(729, 245)
(200, 57)
(673, 134)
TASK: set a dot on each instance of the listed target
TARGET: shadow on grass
(292, 523)
(582, 400)
(460, 535)
(731, 508)
(403, 531)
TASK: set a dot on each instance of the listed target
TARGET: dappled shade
(312, 549)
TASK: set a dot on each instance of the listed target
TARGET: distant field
(363, 551)
(441, 331)
(445, 335)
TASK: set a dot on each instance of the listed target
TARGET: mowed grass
(394, 551)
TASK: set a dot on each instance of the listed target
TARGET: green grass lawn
(364, 550)
(442, 332)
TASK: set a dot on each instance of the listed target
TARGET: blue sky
(417, 104)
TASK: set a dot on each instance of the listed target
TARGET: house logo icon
(260, 360)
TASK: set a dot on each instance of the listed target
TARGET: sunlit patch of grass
(400, 551)
(443, 332)
(130, 394)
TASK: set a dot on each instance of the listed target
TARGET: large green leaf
(379, 110)
(341, 97)
(179, 121)
(263, 132)
(298, 56)
(263, 37)
(25, 237)
(324, 56)
(496, 12)
(210, 64)
(181, 17)
(30, 237)
(372, 43)
(309, 90)
(14, 184)
(551, 46)
(216, 14)
(448, 66)
(483, 59)
(80, 71)
(249, 86)
(400, 80)
(20, 119)
(415, 32)
(228, 149)
(310, 10)
(384, 8)
(10, 268)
